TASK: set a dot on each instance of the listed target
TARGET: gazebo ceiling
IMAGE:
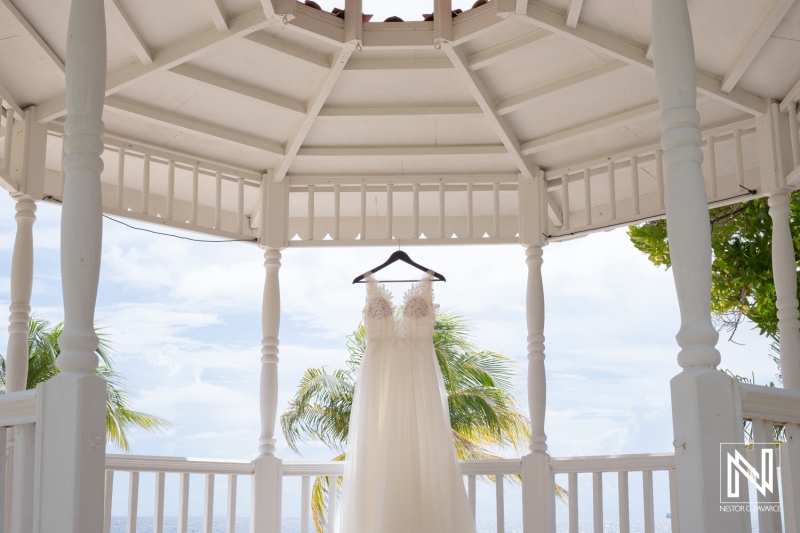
(282, 87)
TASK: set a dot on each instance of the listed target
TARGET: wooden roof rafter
(171, 56)
(606, 43)
(125, 25)
(758, 38)
(217, 13)
(498, 123)
(29, 33)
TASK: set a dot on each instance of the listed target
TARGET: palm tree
(43, 351)
(484, 412)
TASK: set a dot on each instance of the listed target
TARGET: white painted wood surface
(271, 320)
(784, 269)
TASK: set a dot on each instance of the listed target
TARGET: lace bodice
(415, 319)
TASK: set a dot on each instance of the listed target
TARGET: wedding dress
(402, 475)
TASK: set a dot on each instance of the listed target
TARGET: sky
(184, 320)
(408, 10)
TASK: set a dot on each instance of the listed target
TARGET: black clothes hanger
(400, 256)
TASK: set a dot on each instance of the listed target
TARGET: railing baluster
(572, 485)
(363, 211)
(649, 512)
(496, 209)
(133, 502)
(712, 167)
(208, 505)
(587, 196)
(170, 189)
(230, 519)
(612, 191)
(790, 478)
(218, 200)
(7, 141)
(673, 501)
(793, 133)
(305, 503)
(310, 214)
(158, 511)
(109, 492)
(660, 178)
(471, 492)
(337, 211)
(768, 521)
(415, 209)
(240, 206)
(624, 503)
(183, 504)
(635, 184)
(63, 172)
(120, 176)
(597, 501)
(389, 210)
(501, 508)
(565, 203)
(470, 217)
(332, 486)
(776, 113)
(737, 147)
(441, 211)
(195, 186)
(146, 185)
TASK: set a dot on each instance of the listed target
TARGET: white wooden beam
(269, 9)
(485, 101)
(9, 102)
(242, 89)
(169, 57)
(116, 13)
(353, 20)
(399, 64)
(574, 13)
(314, 106)
(217, 13)
(773, 16)
(589, 129)
(183, 123)
(623, 50)
(288, 49)
(791, 96)
(590, 77)
(386, 112)
(390, 151)
(497, 53)
(29, 34)
(442, 20)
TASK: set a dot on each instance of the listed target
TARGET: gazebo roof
(282, 90)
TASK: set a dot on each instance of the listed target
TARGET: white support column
(705, 405)
(268, 474)
(784, 272)
(70, 433)
(21, 439)
(536, 487)
(21, 285)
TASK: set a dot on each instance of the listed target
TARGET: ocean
(292, 525)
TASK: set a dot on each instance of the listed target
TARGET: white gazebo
(279, 124)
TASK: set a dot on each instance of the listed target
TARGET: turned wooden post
(705, 405)
(70, 433)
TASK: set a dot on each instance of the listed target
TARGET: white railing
(17, 421)
(766, 408)
(184, 468)
(633, 181)
(151, 184)
(499, 468)
(622, 465)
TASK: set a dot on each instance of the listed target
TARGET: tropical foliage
(484, 412)
(741, 240)
(43, 351)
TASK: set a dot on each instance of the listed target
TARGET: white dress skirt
(401, 474)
